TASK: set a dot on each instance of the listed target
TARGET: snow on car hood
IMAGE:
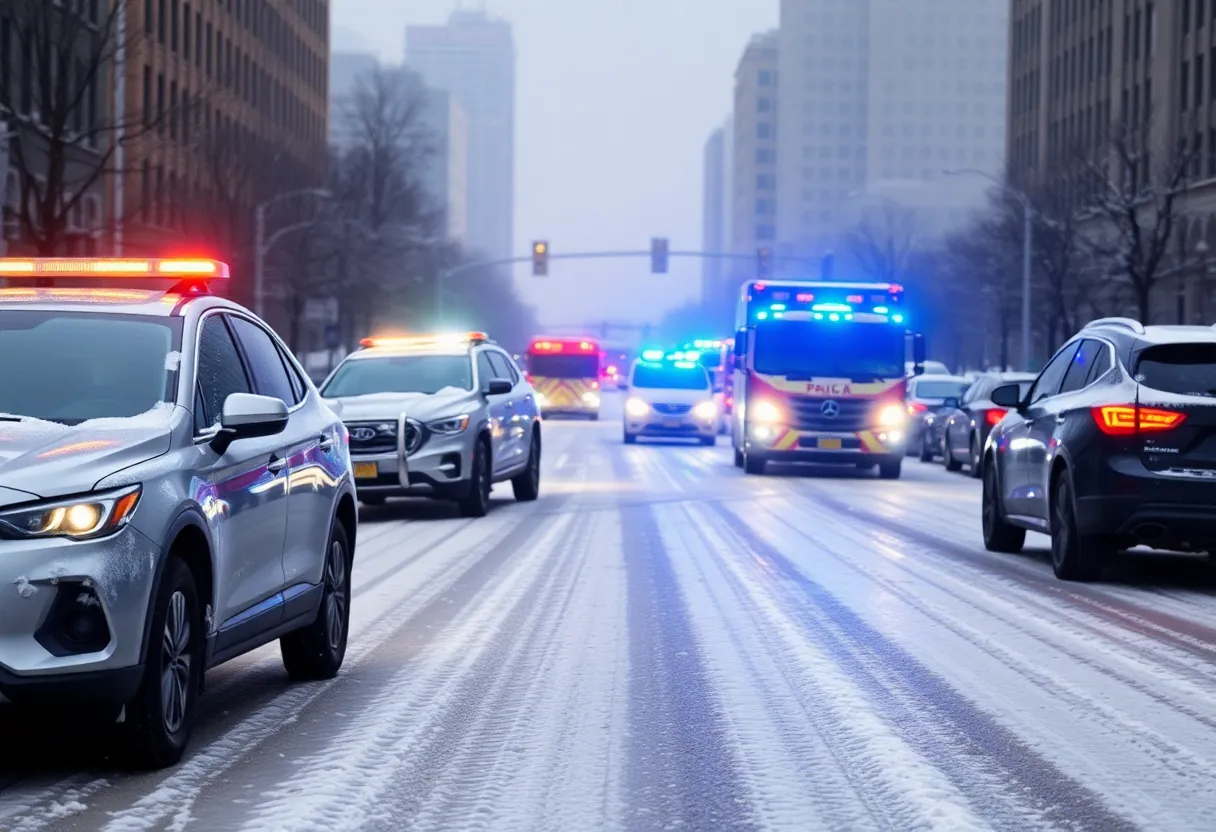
(450, 401)
(48, 459)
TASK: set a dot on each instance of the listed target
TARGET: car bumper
(1149, 507)
(582, 409)
(778, 442)
(441, 464)
(672, 427)
(55, 591)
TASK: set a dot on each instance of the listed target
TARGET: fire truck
(819, 375)
(565, 372)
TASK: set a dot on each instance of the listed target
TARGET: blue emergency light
(652, 355)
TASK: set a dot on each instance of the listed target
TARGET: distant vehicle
(565, 373)
(442, 416)
(933, 368)
(151, 525)
(819, 375)
(670, 399)
(716, 356)
(964, 429)
(928, 396)
(1110, 448)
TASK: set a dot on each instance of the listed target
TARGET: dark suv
(1114, 446)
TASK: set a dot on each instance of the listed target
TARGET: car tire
(372, 500)
(157, 731)
(999, 536)
(630, 438)
(476, 501)
(753, 464)
(526, 486)
(926, 450)
(738, 458)
(977, 461)
(1074, 557)
(709, 441)
(316, 651)
(952, 464)
(890, 470)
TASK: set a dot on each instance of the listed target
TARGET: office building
(713, 213)
(446, 176)
(345, 70)
(472, 57)
(753, 200)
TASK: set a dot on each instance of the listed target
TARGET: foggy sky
(614, 102)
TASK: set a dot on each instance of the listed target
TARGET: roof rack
(1127, 323)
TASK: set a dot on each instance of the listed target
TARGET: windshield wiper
(9, 417)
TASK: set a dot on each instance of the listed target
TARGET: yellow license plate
(829, 444)
(366, 471)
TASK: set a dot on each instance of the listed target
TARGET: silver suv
(173, 493)
(440, 416)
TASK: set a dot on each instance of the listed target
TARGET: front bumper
(672, 427)
(780, 442)
(73, 615)
(440, 466)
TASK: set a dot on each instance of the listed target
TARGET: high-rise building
(447, 162)
(714, 238)
(754, 154)
(878, 99)
(473, 58)
(345, 69)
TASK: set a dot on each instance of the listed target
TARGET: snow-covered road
(661, 642)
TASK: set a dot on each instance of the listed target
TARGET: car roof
(940, 377)
(371, 353)
(116, 301)
(1013, 376)
(1176, 334)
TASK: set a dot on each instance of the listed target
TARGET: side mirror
(1008, 396)
(951, 403)
(497, 387)
(741, 345)
(918, 354)
(247, 416)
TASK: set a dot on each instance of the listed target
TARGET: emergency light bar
(111, 267)
(561, 344)
(424, 341)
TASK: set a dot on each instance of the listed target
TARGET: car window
(977, 390)
(485, 370)
(937, 389)
(1048, 382)
(1099, 365)
(502, 367)
(269, 374)
(1185, 369)
(221, 372)
(1080, 365)
(426, 374)
(298, 387)
(678, 377)
(200, 410)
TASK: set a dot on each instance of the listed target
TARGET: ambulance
(565, 373)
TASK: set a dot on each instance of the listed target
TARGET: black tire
(1073, 557)
(890, 470)
(372, 500)
(999, 536)
(952, 464)
(926, 450)
(738, 458)
(316, 651)
(157, 731)
(476, 501)
(753, 464)
(709, 441)
(977, 461)
(526, 486)
(630, 438)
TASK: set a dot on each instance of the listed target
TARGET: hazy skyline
(614, 102)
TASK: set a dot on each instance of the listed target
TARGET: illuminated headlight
(540, 398)
(765, 412)
(591, 399)
(79, 518)
(636, 407)
(449, 426)
(705, 411)
(892, 416)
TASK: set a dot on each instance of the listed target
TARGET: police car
(173, 493)
(443, 416)
(670, 398)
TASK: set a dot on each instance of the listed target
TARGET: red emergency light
(111, 267)
(562, 345)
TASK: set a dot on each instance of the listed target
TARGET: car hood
(47, 459)
(424, 407)
(656, 395)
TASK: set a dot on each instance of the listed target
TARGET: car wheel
(316, 651)
(1073, 557)
(926, 450)
(476, 502)
(527, 485)
(952, 464)
(753, 464)
(738, 458)
(890, 470)
(630, 438)
(160, 718)
(709, 441)
(999, 536)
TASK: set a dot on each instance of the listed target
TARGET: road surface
(662, 642)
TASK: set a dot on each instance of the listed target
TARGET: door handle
(276, 464)
(1060, 419)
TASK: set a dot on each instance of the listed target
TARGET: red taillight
(916, 407)
(994, 416)
(730, 401)
(1125, 420)
(528, 377)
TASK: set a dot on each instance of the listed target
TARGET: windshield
(670, 378)
(69, 368)
(801, 349)
(939, 389)
(564, 366)
(400, 374)
(1185, 369)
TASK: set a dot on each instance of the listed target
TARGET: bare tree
(884, 241)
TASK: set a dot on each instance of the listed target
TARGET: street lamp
(1027, 248)
(261, 245)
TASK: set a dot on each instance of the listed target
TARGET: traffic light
(764, 263)
(658, 255)
(540, 258)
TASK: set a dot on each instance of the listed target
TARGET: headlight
(705, 411)
(892, 416)
(540, 397)
(451, 425)
(765, 412)
(592, 399)
(636, 407)
(78, 518)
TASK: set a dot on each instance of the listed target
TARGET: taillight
(916, 407)
(1125, 420)
(528, 377)
(994, 416)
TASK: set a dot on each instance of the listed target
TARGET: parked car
(934, 368)
(927, 397)
(965, 430)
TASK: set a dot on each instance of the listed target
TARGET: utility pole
(5, 138)
(120, 114)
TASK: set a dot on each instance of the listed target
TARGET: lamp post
(262, 245)
(1027, 249)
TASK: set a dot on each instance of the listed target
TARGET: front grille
(383, 438)
(852, 415)
(672, 409)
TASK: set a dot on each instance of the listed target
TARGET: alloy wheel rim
(335, 595)
(176, 662)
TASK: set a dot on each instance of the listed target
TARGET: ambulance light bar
(46, 267)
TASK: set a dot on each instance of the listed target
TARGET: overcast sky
(614, 102)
